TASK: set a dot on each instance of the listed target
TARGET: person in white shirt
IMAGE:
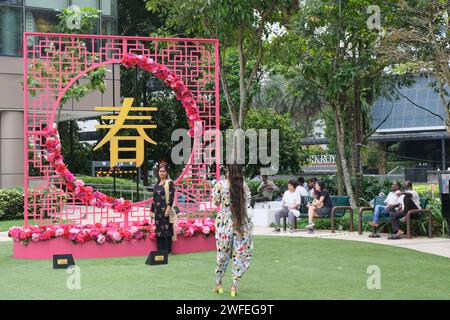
(301, 187)
(391, 203)
(302, 183)
(409, 200)
(290, 204)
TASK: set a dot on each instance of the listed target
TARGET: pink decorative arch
(188, 66)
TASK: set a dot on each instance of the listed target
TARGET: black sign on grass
(63, 261)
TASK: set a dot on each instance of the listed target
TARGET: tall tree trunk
(357, 139)
(445, 101)
(339, 178)
(340, 142)
(242, 84)
(382, 159)
(340, 135)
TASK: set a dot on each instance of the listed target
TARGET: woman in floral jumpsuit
(232, 242)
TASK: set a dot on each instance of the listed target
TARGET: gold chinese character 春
(120, 124)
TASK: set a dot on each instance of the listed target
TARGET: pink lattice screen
(66, 58)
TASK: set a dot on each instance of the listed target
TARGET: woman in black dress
(161, 210)
(321, 207)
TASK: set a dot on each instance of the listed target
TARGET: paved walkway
(4, 237)
(437, 246)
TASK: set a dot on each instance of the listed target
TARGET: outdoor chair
(340, 205)
(380, 200)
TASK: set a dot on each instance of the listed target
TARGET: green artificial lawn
(282, 268)
(5, 225)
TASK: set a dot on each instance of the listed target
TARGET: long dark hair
(237, 195)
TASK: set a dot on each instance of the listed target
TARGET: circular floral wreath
(86, 194)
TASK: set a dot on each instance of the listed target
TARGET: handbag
(172, 213)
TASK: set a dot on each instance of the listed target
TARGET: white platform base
(264, 213)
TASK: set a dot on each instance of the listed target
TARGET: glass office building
(415, 122)
(420, 110)
(16, 17)
(410, 131)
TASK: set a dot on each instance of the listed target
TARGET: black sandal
(394, 237)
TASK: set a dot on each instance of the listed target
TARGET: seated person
(311, 183)
(290, 204)
(409, 200)
(265, 191)
(321, 206)
(390, 204)
(301, 187)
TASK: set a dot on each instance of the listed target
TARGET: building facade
(410, 132)
(16, 17)
(411, 129)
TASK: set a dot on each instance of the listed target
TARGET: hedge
(11, 203)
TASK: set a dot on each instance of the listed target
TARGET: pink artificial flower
(189, 232)
(139, 235)
(101, 239)
(69, 176)
(35, 237)
(206, 230)
(61, 168)
(134, 229)
(116, 236)
(79, 183)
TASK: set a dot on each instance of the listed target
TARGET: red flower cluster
(83, 193)
(171, 80)
(111, 232)
(188, 227)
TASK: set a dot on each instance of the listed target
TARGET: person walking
(234, 239)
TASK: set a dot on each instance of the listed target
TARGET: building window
(48, 4)
(10, 31)
(85, 3)
(14, 2)
(41, 20)
(109, 7)
(109, 26)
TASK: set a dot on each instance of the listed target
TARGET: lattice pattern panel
(53, 62)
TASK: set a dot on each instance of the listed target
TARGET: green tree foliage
(77, 155)
(75, 21)
(78, 20)
(243, 26)
(418, 40)
(291, 154)
(147, 90)
(331, 46)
